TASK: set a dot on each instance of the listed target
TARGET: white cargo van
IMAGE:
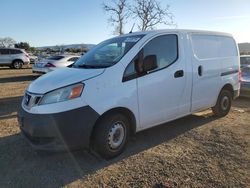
(130, 83)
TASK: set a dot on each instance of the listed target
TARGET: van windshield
(108, 52)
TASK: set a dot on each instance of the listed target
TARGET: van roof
(179, 31)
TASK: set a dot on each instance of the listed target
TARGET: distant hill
(75, 46)
(244, 47)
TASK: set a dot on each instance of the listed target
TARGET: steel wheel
(110, 135)
(116, 135)
(223, 103)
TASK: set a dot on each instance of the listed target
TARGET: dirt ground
(196, 151)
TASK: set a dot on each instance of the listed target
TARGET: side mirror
(149, 63)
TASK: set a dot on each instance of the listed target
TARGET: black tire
(223, 104)
(106, 130)
(17, 64)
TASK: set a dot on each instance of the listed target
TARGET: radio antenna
(131, 31)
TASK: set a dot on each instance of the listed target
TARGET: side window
(4, 51)
(15, 51)
(130, 70)
(73, 59)
(165, 48)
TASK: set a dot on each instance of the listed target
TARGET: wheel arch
(17, 60)
(125, 111)
(228, 87)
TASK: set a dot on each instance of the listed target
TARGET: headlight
(62, 94)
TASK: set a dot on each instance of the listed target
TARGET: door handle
(200, 70)
(179, 73)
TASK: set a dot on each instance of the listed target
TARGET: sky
(57, 22)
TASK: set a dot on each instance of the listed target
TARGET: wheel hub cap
(225, 103)
(17, 64)
(116, 135)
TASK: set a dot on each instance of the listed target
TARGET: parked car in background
(54, 62)
(244, 61)
(13, 57)
(245, 83)
(33, 58)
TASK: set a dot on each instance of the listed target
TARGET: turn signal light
(76, 91)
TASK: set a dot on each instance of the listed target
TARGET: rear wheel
(17, 64)
(223, 104)
(110, 135)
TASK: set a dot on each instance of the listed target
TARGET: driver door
(162, 92)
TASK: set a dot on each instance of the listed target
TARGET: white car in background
(244, 61)
(54, 62)
(33, 58)
(15, 58)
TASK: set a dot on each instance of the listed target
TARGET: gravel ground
(196, 151)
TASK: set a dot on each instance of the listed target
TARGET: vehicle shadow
(18, 78)
(22, 166)
(242, 102)
(9, 107)
(8, 68)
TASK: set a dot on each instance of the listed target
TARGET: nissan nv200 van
(127, 84)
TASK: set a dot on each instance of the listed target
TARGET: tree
(150, 13)
(59, 48)
(32, 49)
(23, 45)
(118, 14)
(7, 42)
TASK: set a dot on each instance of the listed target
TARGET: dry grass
(195, 151)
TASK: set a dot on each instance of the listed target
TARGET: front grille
(30, 99)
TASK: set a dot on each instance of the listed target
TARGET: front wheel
(17, 64)
(110, 135)
(223, 104)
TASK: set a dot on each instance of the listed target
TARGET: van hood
(60, 78)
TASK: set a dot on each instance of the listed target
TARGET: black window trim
(7, 49)
(136, 75)
(15, 51)
(76, 58)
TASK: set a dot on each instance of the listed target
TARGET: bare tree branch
(7, 42)
(150, 13)
(118, 14)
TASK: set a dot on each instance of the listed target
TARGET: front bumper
(52, 132)
(26, 61)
